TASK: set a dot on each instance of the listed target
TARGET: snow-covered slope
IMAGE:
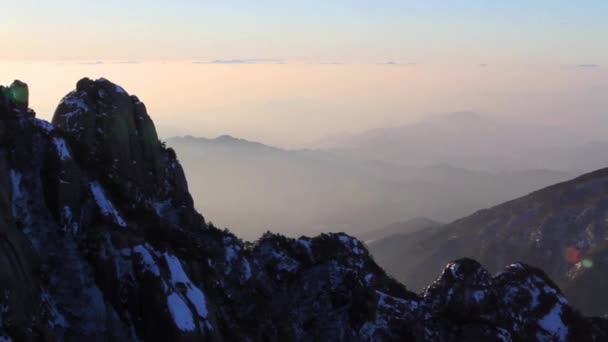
(99, 241)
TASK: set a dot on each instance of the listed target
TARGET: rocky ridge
(100, 241)
(562, 229)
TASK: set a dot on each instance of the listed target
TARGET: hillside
(398, 229)
(562, 229)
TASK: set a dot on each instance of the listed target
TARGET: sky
(543, 31)
(291, 73)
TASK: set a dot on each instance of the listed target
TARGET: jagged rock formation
(99, 241)
(562, 229)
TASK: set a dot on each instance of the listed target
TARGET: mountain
(476, 141)
(257, 188)
(398, 228)
(562, 229)
(100, 241)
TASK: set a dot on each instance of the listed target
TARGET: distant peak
(227, 137)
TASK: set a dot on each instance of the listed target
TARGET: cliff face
(99, 241)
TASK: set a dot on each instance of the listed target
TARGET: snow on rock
(147, 260)
(120, 90)
(352, 244)
(45, 125)
(553, 324)
(104, 204)
(388, 308)
(75, 103)
(182, 316)
(306, 243)
(161, 207)
(395, 304)
(453, 267)
(283, 261)
(56, 319)
(67, 218)
(175, 268)
(16, 191)
(20, 207)
(62, 148)
(246, 275)
(193, 293)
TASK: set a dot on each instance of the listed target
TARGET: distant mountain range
(398, 229)
(563, 229)
(251, 187)
(477, 141)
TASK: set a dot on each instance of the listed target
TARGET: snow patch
(69, 224)
(553, 324)
(161, 207)
(175, 269)
(231, 253)
(178, 276)
(104, 204)
(45, 125)
(246, 270)
(453, 267)
(19, 198)
(77, 104)
(182, 316)
(307, 245)
(147, 260)
(17, 193)
(120, 90)
(56, 318)
(478, 296)
(390, 302)
(285, 263)
(352, 244)
(62, 148)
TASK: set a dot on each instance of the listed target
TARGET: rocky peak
(100, 241)
(112, 134)
(16, 95)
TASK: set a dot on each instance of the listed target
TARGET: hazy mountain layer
(258, 188)
(477, 141)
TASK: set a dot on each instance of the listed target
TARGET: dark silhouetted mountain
(562, 229)
(100, 242)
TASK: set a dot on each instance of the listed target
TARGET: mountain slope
(562, 229)
(398, 229)
(99, 241)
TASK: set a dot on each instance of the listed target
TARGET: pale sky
(543, 31)
(315, 68)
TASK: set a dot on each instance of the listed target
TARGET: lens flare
(587, 263)
(573, 255)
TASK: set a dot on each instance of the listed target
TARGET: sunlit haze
(292, 74)
(298, 104)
